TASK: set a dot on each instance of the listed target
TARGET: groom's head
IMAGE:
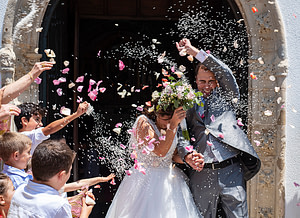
(205, 80)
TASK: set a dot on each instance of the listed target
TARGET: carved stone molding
(266, 94)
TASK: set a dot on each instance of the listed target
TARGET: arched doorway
(93, 36)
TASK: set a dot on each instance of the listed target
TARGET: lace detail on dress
(151, 159)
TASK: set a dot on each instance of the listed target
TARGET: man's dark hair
(27, 111)
(49, 158)
(200, 66)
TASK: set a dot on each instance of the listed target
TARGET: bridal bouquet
(176, 94)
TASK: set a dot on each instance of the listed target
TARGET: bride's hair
(152, 114)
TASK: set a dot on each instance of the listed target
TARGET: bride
(154, 189)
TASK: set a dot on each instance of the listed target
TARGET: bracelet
(30, 76)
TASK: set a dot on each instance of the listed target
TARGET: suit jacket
(220, 104)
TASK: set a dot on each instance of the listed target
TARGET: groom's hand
(195, 160)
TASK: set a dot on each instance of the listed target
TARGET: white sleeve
(201, 56)
(37, 136)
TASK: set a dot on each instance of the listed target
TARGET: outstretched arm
(14, 89)
(73, 186)
(61, 123)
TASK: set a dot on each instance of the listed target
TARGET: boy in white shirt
(29, 122)
(51, 167)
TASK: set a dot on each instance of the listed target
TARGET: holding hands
(195, 160)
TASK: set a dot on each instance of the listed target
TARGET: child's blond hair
(11, 142)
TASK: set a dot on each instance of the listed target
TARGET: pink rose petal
(162, 138)
(128, 172)
(213, 119)
(91, 82)
(239, 122)
(59, 92)
(92, 96)
(62, 79)
(139, 108)
(118, 125)
(38, 80)
(189, 148)
(256, 142)
(56, 82)
(112, 182)
(121, 65)
(122, 146)
(193, 139)
(256, 132)
(102, 90)
(79, 88)
(133, 155)
(80, 79)
(79, 100)
(102, 158)
(65, 71)
(145, 151)
(221, 135)
(209, 143)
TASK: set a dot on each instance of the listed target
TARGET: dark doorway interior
(124, 30)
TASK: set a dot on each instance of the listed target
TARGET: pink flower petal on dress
(239, 122)
(133, 155)
(65, 71)
(142, 170)
(59, 92)
(150, 147)
(151, 141)
(38, 80)
(121, 65)
(209, 143)
(56, 82)
(128, 172)
(79, 88)
(189, 148)
(213, 119)
(102, 158)
(80, 79)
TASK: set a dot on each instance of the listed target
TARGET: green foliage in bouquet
(176, 94)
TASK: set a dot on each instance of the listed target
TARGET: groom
(230, 160)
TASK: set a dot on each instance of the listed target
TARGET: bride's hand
(179, 114)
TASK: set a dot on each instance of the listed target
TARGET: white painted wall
(290, 10)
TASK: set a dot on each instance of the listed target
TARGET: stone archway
(266, 94)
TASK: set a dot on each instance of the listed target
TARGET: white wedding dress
(161, 193)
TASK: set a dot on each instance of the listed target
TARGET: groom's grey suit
(230, 159)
